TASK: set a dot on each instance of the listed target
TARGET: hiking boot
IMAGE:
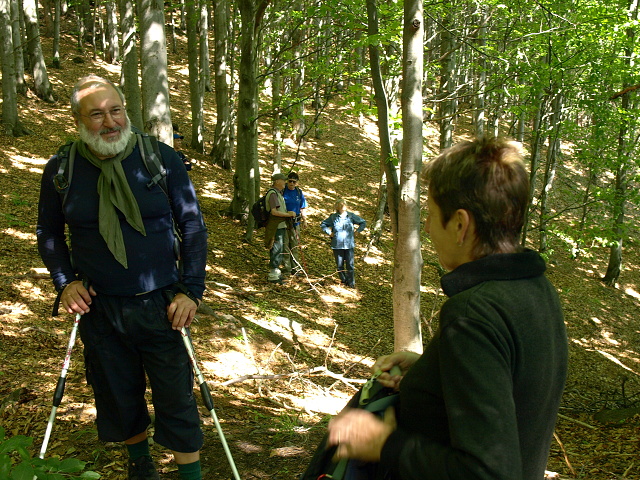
(278, 281)
(143, 468)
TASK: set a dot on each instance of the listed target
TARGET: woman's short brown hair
(486, 177)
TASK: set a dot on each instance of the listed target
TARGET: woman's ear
(464, 225)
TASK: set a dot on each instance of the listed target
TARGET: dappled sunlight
(212, 190)
(29, 236)
(632, 292)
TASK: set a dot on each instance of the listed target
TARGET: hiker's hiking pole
(57, 395)
(206, 398)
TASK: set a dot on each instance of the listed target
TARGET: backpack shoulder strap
(62, 180)
(152, 159)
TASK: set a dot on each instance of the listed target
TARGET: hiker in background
(482, 400)
(340, 227)
(122, 240)
(275, 231)
(177, 145)
(296, 202)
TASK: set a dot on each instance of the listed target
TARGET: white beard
(106, 148)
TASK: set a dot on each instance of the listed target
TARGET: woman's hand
(360, 434)
(403, 360)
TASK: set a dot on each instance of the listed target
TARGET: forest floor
(311, 341)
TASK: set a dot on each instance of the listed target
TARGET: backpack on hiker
(260, 212)
(374, 398)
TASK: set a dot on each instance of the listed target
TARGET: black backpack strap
(62, 180)
(150, 153)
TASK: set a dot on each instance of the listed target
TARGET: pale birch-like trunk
(407, 268)
(155, 82)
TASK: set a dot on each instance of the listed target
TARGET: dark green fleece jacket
(481, 402)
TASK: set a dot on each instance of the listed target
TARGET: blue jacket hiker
(340, 227)
(296, 202)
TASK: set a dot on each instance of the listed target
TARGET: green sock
(190, 471)
(140, 449)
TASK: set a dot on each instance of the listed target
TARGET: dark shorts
(124, 337)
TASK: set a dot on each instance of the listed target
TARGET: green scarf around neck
(114, 192)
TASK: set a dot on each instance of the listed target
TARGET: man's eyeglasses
(98, 117)
(291, 180)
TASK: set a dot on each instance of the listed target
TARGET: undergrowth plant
(16, 463)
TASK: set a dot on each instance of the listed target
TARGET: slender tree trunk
(203, 33)
(299, 126)
(195, 77)
(407, 268)
(112, 48)
(42, 87)
(386, 152)
(246, 178)
(626, 143)
(56, 34)
(129, 72)
(550, 171)
(155, 81)
(18, 47)
(10, 120)
(222, 151)
(447, 84)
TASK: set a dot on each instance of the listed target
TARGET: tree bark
(129, 72)
(42, 87)
(155, 81)
(222, 151)
(10, 120)
(112, 47)
(196, 88)
(246, 178)
(407, 268)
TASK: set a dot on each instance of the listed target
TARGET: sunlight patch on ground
(320, 403)
(19, 159)
(631, 292)
(616, 361)
(212, 190)
(608, 336)
(20, 235)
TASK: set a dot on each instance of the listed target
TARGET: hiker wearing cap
(296, 202)
(137, 300)
(277, 226)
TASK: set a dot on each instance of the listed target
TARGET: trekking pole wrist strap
(181, 288)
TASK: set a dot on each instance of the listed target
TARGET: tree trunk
(407, 268)
(222, 151)
(195, 78)
(10, 121)
(297, 110)
(203, 33)
(387, 160)
(246, 178)
(112, 48)
(42, 87)
(550, 171)
(56, 34)
(155, 82)
(447, 84)
(626, 144)
(18, 47)
(129, 72)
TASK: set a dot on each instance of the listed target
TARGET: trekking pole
(206, 398)
(57, 395)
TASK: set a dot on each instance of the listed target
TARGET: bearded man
(121, 235)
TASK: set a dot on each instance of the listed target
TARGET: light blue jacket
(342, 228)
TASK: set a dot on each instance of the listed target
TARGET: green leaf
(15, 443)
(70, 465)
(90, 475)
(23, 471)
